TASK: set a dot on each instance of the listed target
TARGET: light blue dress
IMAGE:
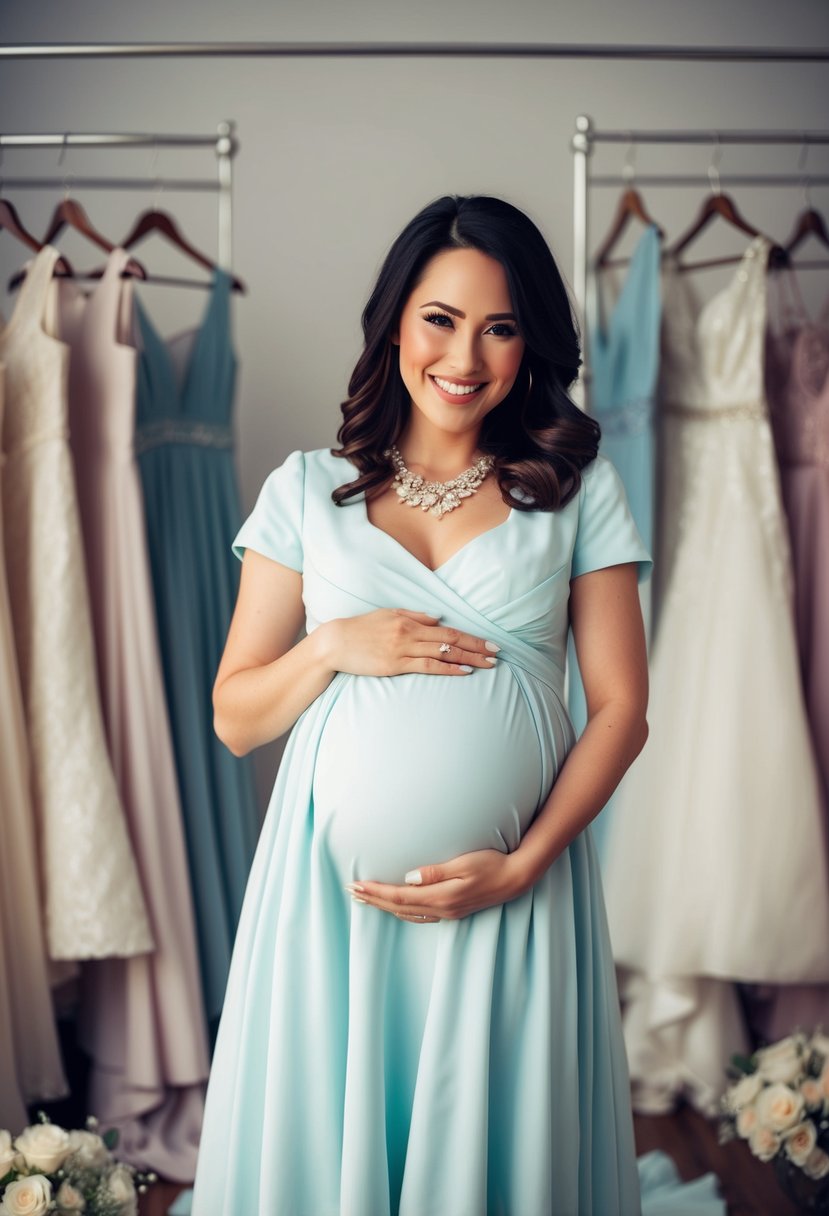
(184, 446)
(367, 1066)
(624, 354)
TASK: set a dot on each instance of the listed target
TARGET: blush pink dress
(797, 385)
(142, 1018)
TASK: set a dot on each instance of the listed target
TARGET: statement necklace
(436, 497)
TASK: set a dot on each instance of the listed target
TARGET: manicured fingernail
(492, 646)
(414, 877)
(351, 887)
(357, 900)
(490, 658)
(463, 667)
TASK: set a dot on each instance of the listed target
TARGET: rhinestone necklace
(436, 497)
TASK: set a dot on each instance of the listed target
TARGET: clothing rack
(412, 50)
(587, 136)
(224, 143)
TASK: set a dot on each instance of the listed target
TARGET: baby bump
(416, 769)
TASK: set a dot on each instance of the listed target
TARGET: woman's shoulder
(318, 462)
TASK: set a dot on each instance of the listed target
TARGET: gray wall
(337, 155)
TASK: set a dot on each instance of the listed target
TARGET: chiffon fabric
(185, 458)
(93, 902)
(368, 1064)
(141, 1018)
(30, 1062)
(716, 862)
(624, 361)
(797, 382)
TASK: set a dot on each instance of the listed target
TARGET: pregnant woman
(421, 1017)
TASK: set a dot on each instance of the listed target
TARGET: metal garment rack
(224, 143)
(587, 136)
(412, 50)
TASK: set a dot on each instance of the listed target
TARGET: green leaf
(110, 1138)
(745, 1065)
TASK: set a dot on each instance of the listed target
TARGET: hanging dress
(185, 458)
(716, 866)
(797, 383)
(142, 1020)
(94, 906)
(624, 358)
(369, 1065)
(30, 1062)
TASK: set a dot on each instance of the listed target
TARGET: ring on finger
(445, 648)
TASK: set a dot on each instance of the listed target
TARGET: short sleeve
(274, 526)
(607, 534)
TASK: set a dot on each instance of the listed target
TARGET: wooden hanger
(153, 220)
(70, 214)
(11, 222)
(722, 205)
(631, 206)
(809, 223)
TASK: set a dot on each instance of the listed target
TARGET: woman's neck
(435, 453)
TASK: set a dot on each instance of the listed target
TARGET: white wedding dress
(717, 865)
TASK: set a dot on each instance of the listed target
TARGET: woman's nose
(466, 354)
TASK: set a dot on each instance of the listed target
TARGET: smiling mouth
(458, 390)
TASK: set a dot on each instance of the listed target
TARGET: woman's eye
(437, 318)
(500, 330)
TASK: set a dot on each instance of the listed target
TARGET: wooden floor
(748, 1186)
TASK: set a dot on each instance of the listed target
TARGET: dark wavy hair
(540, 439)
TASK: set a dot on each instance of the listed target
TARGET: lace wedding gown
(716, 862)
(94, 905)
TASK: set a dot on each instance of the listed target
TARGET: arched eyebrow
(456, 312)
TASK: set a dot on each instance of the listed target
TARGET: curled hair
(540, 439)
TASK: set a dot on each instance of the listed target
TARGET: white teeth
(457, 390)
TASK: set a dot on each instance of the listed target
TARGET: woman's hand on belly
(395, 641)
(448, 891)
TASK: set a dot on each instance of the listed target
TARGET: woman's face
(460, 349)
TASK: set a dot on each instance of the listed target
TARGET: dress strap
(34, 290)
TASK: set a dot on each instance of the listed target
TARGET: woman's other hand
(396, 641)
(448, 891)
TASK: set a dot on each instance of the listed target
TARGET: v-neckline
(434, 569)
(180, 388)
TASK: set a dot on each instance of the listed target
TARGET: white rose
(9, 1155)
(817, 1165)
(743, 1092)
(44, 1145)
(746, 1121)
(89, 1149)
(69, 1199)
(800, 1141)
(27, 1197)
(782, 1061)
(764, 1143)
(779, 1107)
(122, 1190)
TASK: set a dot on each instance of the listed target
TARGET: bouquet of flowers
(779, 1103)
(48, 1170)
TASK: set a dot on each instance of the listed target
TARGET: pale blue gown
(367, 1066)
(624, 356)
